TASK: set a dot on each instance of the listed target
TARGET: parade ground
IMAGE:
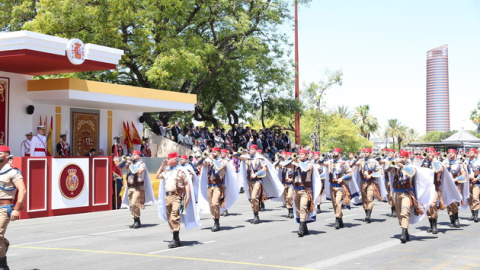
(103, 240)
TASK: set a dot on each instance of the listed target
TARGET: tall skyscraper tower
(438, 102)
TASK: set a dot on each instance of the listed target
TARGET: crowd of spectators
(270, 141)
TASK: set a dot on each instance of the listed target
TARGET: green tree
(475, 117)
(342, 112)
(411, 136)
(396, 131)
(343, 133)
(206, 47)
(365, 121)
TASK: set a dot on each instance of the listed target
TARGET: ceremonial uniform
(11, 180)
(136, 191)
(38, 146)
(474, 200)
(457, 170)
(391, 153)
(368, 186)
(26, 145)
(287, 181)
(432, 212)
(303, 193)
(340, 171)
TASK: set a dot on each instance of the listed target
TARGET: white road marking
(72, 237)
(165, 250)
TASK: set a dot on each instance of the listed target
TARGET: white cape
(449, 190)
(271, 184)
(149, 196)
(353, 185)
(191, 217)
(424, 192)
(316, 187)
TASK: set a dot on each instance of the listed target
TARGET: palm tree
(475, 117)
(342, 112)
(366, 122)
(396, 130)
(412, 136)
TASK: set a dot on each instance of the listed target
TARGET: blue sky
(381, 47)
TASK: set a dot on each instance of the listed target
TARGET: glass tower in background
(438, 102)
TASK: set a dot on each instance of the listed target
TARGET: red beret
(224, 151)
(216, 149)
(452, 150)
(136, 152)
(430, 149)
(259, 150)
(172, 155)
(385, 149)
(4, 148)
(474, 150)
(362, 150)
(302, 151)
(369, 150)
(337, 150)
(411, 152)
(391, 150)
(283, 153)
(253, 146)
(289, 153)
(403, 153)
(184, 156)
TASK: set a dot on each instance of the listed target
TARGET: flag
(126, 135)
(117, 172)
(136, 139)
(49, 136)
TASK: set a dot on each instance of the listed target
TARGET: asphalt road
(102, 240)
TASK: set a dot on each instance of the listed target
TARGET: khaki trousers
(255, 189)
(301, 204)
(432, 212)
(367, 195)
(453, 208)
(172, 205)
(337, 198)
(402, 207)
(474, 201)
(389, 194)
(4, 220)
(214, 194)
(288, 195)
(133, 194)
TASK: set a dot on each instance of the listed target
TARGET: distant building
(438, 103)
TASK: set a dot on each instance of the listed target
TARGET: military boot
(224, 213)
(403, 238)
(475, 216)
(456, 220)
(305, 229)
(341, 222)
(394, 213)
(216, 225)
(256, 219)
(434, 228)
(431, 225)
(301, 231)
(452, 221)
(471, 218)
(175, 241)
(262, 206)
(369, 214)
(3, 263)
(290, 213)
(318, 209)
(366, 215)
(337, 223)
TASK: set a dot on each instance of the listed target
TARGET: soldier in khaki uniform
(177, 193)
(474, 200)
(432, 212)
(136, 190)
(367, 167)
(459, 175)
(303, 193)
(215, 184)
(11, 180)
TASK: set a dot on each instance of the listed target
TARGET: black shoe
(408, 236)
(3, 263)
(175, 241)
(337, 223)
(305, 229)
(224, 213)
(434, 229)
(301, 231)
(136, 223)
(471, 218)
(256, 219)
(457, 221)
(216, 225)
(133, 224)
(262, 206)
(242, 190)
(452, 222)
(403, 238)
(475, 216)
(367, 218)
(394, 213)
(429, 230)
(318, 209)
(290, 213)
(341, 222)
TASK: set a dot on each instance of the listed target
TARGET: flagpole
(297, 79)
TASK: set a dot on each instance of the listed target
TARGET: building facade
(438, 102)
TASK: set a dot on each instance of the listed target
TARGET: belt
(171, 193)
(298, 188)
(252, 180)
(39, 150)
(335, 185)
(365, 180)
(213, 185)
(6, 201)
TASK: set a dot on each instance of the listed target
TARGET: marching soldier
(63, 148)
(432, 212)
(367, 167)
(11, 180)
(389, 157)
(26, 145)
(316, 164)
(174, 197)
(38, 147)
(459, 175)
(139, 189)
(474, 200)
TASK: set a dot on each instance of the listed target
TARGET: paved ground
(102, 240)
